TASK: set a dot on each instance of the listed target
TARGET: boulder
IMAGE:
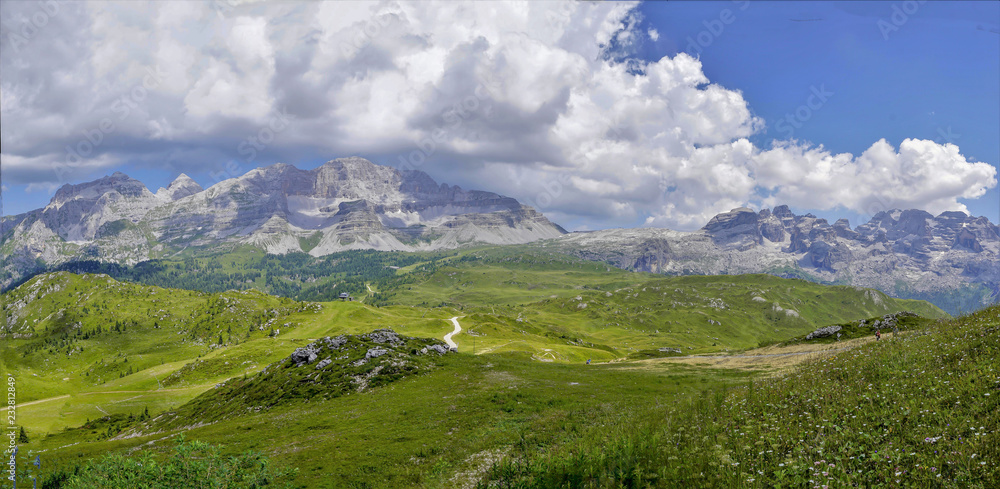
(304, 355)
(384, 336)
(823, 332)
(376, 352)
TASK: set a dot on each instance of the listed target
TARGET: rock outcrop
(823, 332)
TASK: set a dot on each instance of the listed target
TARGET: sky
(600, 115)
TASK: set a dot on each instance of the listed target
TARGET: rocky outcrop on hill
(824, 332)
(326, 368)
(889, 321)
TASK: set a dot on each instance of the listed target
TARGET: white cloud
(537, 100)
(922, 174)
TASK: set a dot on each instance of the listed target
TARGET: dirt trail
(19, 406)
(770, 357)
(458, 329)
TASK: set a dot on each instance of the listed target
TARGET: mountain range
(951, 259)
(348, 203)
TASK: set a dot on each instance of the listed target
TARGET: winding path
(458, 329)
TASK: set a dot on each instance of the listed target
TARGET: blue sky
(885, 70)
(936, 76)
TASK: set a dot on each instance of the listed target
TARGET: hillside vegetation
(324, 369)
(921, 410)
(110, 366)
(67, 332)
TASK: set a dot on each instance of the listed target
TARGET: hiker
(878, 335)
(588, 361)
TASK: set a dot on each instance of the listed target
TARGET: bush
(194, 464)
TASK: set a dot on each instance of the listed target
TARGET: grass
(571, 311)
(110, 345)
(918, 411)
(419, 431)
(525, 398)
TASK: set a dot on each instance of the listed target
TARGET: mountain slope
(952, 259)
(920, 410)
(348, 203)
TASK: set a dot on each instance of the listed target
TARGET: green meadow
(543, 391)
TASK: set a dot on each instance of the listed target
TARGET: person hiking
(878, 335)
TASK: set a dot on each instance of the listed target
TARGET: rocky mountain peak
(117, 182)
(346, 203)
(738, 227)
(181, 187)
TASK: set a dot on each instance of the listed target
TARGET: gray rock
(304, 355)
(335, 343)
(823, 332)
(376, 352)
(669, 350)
(440, 349)
(384, 336)
(323, 363)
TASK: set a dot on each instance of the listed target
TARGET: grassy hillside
(508, 421)
(439, 429)
(97, 354)
(118, 347)
(569, 310)
(323, 369)
(86, 346)
(921, 410)
(71, 333)
(297, 276)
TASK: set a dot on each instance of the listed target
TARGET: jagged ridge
(951, 259)
(348, 203)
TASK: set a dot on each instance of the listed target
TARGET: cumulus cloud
(921, 174)
(537, 100)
